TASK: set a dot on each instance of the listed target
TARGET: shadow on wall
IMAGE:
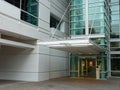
(12, 59)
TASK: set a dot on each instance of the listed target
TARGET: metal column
(86, 18)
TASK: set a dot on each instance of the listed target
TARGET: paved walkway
(63, 84)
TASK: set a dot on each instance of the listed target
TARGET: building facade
(44, 39)
(23, 23)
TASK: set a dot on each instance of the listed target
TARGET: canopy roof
(79, 46)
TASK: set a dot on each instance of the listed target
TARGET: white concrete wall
(19, 64)
(17, 29)
(57, 8)
(59, 59)
(52, 63)
(44, 15)
(8, 9)
(58, 63)
(39, 64)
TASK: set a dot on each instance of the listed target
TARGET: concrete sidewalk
(63, 84)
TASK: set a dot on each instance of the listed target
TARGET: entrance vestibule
(83, 67)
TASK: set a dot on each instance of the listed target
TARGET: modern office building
(44, 39)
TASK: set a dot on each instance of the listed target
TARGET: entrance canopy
(79, 46)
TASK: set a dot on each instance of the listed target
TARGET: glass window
(77, 18)
(115, 17)
(97, 4)
(115, 66)
(114, 12)
(97, 30)
(115, 49)
(115, 73)
(115, 22)
(92, 1)
(115, 55)
(29, 11)
(96, 23)
(114, 35)
(115, 63)
(80, 31)
(30, 6)
(75, 25)
(75, 2)
(114, 0)
(78, 7)
(29, 18)
(96, 9)
(115, 7)
(115, 44)
(96, 16)
(115, 29)
(54, 23)
(14, 2)
(76, 12)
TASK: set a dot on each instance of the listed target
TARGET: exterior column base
(103, 75)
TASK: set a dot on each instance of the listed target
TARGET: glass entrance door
(87, 67)
(80, 67)
(83, 67)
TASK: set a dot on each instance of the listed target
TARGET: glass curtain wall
(77, 17)
(96, 17)
(99, 20)
(115, 34)
(29, 10)
(98, 23)
(115, 19)
(115, 65)
(74, 68)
